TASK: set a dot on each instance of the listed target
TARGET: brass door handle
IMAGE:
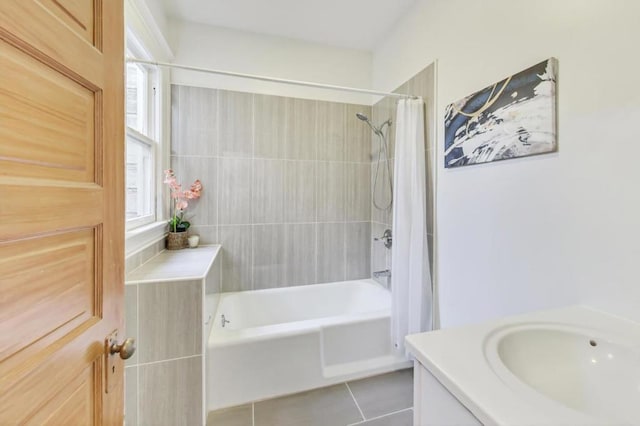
(126, 349)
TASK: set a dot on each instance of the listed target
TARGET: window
(136, 97)
(140, 172)
(141, 143)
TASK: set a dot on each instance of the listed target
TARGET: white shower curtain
(410, 275)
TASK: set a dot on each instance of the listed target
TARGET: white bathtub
(286, 340)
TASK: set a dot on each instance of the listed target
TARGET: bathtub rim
(217, 336)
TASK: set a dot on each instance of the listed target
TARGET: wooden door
(61, 210)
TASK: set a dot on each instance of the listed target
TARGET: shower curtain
(410, 275)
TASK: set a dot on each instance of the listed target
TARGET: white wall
(156, 8)
(545, 231)
(238, 51)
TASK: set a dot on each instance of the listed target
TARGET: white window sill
(143, 236)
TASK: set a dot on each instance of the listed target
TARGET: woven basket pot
(177, 240)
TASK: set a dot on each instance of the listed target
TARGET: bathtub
(286, 340)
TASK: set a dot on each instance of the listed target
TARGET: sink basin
(583, 370)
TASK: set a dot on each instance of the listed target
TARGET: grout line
(290, 223)
(382, 416)
(253, 413)
(355, 401)
(291, 160)
(137, 365)
(253, 192)
(167, 360)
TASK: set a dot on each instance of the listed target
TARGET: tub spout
(385, 273)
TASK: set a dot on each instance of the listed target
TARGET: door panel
(46, 136)
(62, 210)
(72, 406)
(55, 274)
(40, 206)
(79, 15)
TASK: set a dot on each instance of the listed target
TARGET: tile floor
(384, 400)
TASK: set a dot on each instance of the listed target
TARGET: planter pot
(176, 240)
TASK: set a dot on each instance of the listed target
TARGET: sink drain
(593, 343)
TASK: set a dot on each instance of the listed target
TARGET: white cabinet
(434, 405)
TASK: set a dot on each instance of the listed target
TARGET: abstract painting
(515, 117)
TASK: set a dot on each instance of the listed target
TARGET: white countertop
(176, 265)
(457, 358)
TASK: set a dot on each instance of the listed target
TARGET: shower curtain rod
(273, 79)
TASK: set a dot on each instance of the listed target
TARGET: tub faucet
(386, 238)
(385, 273)
(224, 320)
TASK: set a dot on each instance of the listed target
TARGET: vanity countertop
(460, 358)
(176, 265)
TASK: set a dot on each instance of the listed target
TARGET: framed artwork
(515, 117)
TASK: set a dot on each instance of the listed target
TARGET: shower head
(364, 118)
(361, 116)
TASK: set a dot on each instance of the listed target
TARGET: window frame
(150, 132)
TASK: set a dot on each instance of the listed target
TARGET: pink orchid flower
(182, 205)
(180, 197)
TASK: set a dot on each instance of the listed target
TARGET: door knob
(126, 349)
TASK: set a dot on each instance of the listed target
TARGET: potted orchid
(180, 201)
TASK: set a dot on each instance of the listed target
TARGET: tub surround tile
(300, 254)
(165, 385)
(380, 259)
(237, 257)
(402, 418)
(131, 318)
(208, 234)
(203, 211)
(174, 144)
(132, 262)
(235, 194)
(300, 191)
(301, 137)
(331, 252)
(383, 111)
(331, 191)
(169, 324)
(235, 115)
(358, 193)
(267, 160)
(381, 193)
(171, 392)
(422, 84)
(384, 394)
(131, 396)
(430, 162)
(268, 256)
(213, 281)
(235, 416)
(322, 407)
(175, 265)
(135, 260)
(431, 252)
(331, 131)
(270, 126)
(268, 191)
(358, 249)
(195, 125)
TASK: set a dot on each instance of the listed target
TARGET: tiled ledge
(175, 265)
